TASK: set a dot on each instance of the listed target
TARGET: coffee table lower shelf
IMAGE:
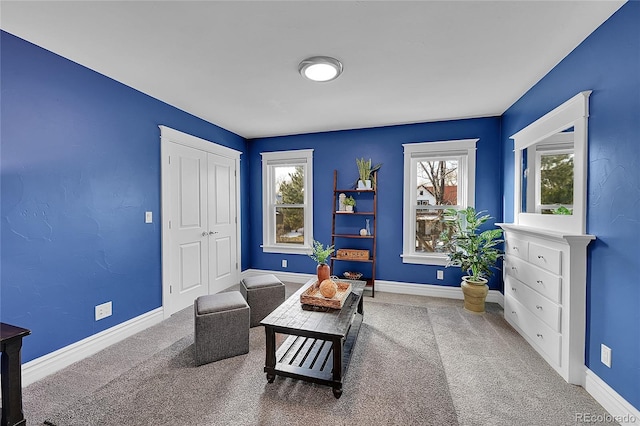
(312, 358)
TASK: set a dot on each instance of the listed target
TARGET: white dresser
(545, 294)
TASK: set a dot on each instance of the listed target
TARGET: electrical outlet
(103, 311)
(440, 275)
(284, 263)
(605, 355)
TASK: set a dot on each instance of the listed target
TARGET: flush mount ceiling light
(320, 68)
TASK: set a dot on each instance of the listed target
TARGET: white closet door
(222, 223)
(189, 227)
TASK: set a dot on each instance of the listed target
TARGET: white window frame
(301, 157)
(465, 150)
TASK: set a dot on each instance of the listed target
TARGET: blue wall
(80, 166)
(338, 150)
(608, 62)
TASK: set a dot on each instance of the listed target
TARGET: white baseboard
(39, 368)
(430, 290)
(621, 411)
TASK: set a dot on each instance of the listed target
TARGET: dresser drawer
(539, 305)
(516, 247)
(545, 257)
(545, 283)
(537, 332)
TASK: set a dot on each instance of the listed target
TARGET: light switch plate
(605, 355)
(148, 217)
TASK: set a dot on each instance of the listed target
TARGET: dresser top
(570, 238)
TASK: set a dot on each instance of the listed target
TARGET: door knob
(212, 233)
(204, 233)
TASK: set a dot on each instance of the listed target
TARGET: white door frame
(169, 135)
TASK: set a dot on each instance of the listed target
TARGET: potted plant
(349, 203)
(321, 254)
(473, 250)
(365, 171)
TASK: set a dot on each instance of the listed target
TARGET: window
(287, 201)
(437, 176)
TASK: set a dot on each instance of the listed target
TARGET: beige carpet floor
(418, 360)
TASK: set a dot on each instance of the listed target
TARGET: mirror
(551, 169)
(548, 174)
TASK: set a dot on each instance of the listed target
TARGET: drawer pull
(539, 307)
(513, 268)
(515, 247)
(539, 335)
(513, 288)
(540, 256)
(513, 312)
(539, 282)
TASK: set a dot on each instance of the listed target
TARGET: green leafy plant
(365, 169)
(350, 201)
(320, 254)
(472, 250)
(563, 210)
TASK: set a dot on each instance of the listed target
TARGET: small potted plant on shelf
(472, 250)
(365, 171)
(349, 204)
(321, 254)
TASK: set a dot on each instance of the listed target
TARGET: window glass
(437, 188)
(289, 190)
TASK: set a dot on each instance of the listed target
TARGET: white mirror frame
(573, 113)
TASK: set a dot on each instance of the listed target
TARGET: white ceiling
(235, 63)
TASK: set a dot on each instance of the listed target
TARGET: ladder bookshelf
(345, 231)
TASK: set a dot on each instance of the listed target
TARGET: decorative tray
(312, 296)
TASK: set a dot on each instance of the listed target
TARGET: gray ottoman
(221, 326)
(263, 293)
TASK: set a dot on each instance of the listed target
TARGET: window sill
(425, 259)
(286, 249)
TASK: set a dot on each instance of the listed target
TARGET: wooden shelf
(352, 236)
(351, 260)
(357, 213)
(311, 359)
(370, 200)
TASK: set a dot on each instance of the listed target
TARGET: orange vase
(323, 272)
